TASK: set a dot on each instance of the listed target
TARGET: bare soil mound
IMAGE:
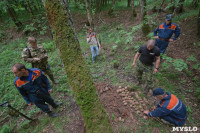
(124, 107)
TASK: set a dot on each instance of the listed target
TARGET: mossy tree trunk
(161, 5)
(111, 8)
(179, 8)
(133, 11)
(154, 7)
(29, 7)
(13, 15)
(89, 14)
(172, 8)
(129, 3)
(199, 22)
(195, 3)
(78, 73)
(145, 25)
(98, 5)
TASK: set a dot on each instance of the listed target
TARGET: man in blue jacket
(34, 87)
(164, 32)
(170, 108)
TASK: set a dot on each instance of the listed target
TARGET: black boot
(51, 114)
(57, 104)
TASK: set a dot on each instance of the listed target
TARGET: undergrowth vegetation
(8, 90)
(118, 48)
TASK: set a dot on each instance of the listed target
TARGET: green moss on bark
(145, 26)
(78, 74)
(134, 13)
(145, 29)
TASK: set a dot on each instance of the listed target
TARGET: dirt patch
(125, 108)
(120, 114)
(74, 120)
(75, 125)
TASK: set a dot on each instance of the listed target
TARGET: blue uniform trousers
(162, 45)
(174, 121)
(40, 99)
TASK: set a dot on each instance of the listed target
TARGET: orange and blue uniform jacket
(27, 86)
(171, 109)
(166, 31)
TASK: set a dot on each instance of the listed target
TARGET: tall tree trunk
(133, 11)
(98, 5)
(199, 22)
(195, 3)
(12, 14)
(25, 6)
(40, 4)
(106, 2)
(76, 3)
(33, 3)
(154, 8)
(29, 7)
(142, 9)
(161, 5)
(89, 14)
(180, 6)
(145, 25)
(129, 3)
(172, 8)
(78, 73)
(111, 8)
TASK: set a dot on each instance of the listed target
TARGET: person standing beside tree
(94, 43)
(34, 87)
(37, 56)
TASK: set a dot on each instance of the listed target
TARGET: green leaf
(195, 66)
(41, 32)
(192, 58)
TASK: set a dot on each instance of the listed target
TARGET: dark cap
(158, 91)
(169, 17)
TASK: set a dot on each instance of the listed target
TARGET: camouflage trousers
(145, 72)
(49, 73)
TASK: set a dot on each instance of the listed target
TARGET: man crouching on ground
(34, 87)
(170, 109)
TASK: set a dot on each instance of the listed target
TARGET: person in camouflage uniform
(147, 54)
(37, 56)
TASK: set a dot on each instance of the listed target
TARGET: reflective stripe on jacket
(170, 106)
(166, 31)
(29, 85)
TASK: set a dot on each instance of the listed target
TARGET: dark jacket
(166, 31)
(170, 106)
(27, 86)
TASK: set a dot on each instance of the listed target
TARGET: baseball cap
(158, 91)
(169, 17)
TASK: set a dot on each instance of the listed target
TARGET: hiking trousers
(162, 45)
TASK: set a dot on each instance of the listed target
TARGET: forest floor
(114, 78)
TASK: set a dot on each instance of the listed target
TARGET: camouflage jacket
(39, 52)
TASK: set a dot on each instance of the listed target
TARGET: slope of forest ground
(120, 37)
